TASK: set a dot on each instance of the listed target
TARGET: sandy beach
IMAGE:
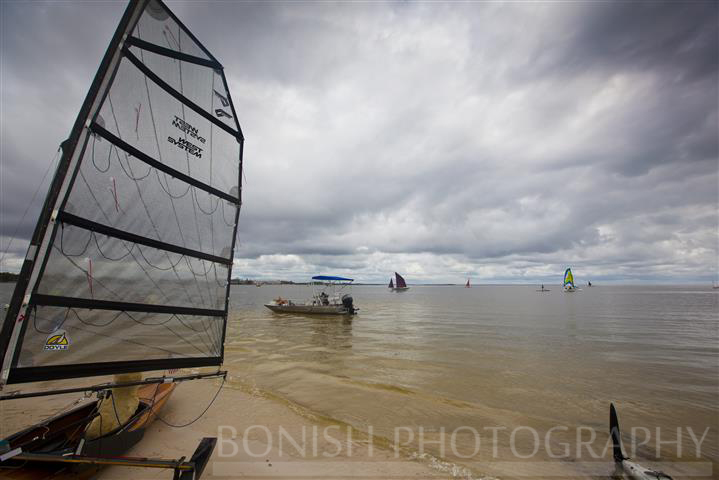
(258, 437)
(248, 427)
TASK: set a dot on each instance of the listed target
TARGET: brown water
(505, 357)
(495, 356)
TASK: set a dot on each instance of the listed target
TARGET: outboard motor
(348, 303)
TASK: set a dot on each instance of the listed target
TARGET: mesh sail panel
(133, 270)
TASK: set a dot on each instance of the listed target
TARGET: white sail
(132, 265)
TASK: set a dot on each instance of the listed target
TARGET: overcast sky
(501, 142)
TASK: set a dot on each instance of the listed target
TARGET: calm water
(490, 356)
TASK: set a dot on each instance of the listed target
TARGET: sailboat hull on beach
(61, 435)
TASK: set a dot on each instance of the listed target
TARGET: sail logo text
(188, 129)
(57, 341)
(189, 147)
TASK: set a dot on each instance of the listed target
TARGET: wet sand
(248, 426)
(241, 421)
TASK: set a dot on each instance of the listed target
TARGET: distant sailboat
(401, 285)
(467, 285)
(569, 281)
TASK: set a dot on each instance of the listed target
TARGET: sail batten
(185, 57)
(140, 227)
(129, 149)
(42, 300)
(179, 96)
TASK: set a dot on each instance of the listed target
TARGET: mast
(16, 317)
(129, 267)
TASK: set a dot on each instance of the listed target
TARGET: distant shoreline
(7, 277)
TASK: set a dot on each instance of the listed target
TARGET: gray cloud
(499, 141)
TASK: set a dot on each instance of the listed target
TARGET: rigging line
(221, 283)
(187, 160)
(159, 157)
(192, 271)
(209, 292)
(38, 330)
(85, 272)
(92, 153)
(208, 352)
(199, 207)
(17, 226)
(142, 199)
(213, 341)
(166, 187)
(104, 214)
(134, 342)
(127, 159)
(102, 254)
(208, 348)
(211, 153)
(179, 319)
(163, 269)
(62, 243)
(172, 202)
(77, 315)
(224, 219)
(199, 416)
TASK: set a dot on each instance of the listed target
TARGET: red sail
(400, 281)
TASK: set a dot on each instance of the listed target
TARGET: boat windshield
(329, 289)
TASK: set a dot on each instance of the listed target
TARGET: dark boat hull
(62, 435)
(310, 309)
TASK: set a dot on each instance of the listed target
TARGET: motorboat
(329, 297)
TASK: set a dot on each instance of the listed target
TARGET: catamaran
(569, 281)
(128, 269)
(400, 285)
(329, 297)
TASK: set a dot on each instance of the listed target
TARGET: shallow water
(494, 356)
(503, 357)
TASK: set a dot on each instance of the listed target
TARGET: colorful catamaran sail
(568, 280)
(128, 268)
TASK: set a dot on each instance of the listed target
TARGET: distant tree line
(6, 277)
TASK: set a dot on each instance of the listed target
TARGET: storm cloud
(501, 142)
